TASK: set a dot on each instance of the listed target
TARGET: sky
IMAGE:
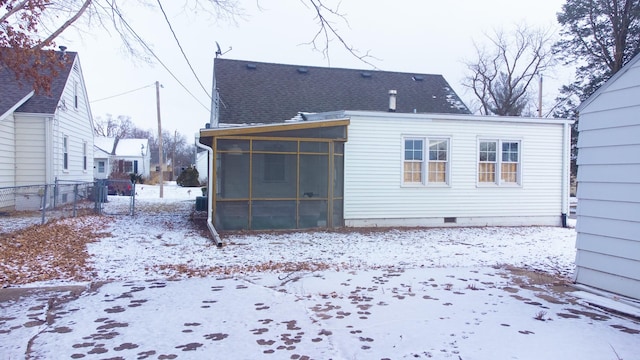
(158, 287)
(414, 36)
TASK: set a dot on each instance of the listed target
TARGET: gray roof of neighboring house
(252, 92)
(13, 90)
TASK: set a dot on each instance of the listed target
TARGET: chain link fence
(114, 197)
(35, 204)
(22, 206)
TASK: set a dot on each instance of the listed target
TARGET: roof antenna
(219, 52)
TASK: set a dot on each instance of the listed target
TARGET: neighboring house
(123, 156)
(101, 164)
(44, 137)
(202, 165)
(384, 168)
(608, 225)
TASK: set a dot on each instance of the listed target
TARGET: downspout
(566, 140)
(212, 229)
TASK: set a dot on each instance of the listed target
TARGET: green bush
(188, 178)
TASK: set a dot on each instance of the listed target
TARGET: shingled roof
(13, 90)
(252, 92)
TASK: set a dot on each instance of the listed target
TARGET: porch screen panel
(338, 213)
(232, 215)
(338, 176)
(233, 176)
(273, 176)
(313, 213)
(273, 214)
(314, 182)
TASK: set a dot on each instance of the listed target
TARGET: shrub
(188, 178)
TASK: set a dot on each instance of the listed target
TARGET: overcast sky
(420, 36)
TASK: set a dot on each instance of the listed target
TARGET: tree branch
(64, 26)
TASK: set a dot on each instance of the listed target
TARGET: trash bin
(201, 203)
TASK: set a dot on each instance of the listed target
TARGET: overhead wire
(166, 18)
(135, 34)
(122, 93)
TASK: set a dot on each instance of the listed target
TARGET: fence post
(133, 199)
(75, 200)
(55, 194)
(44, 202)
(100, 195)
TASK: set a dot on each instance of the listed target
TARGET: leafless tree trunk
(501, 76)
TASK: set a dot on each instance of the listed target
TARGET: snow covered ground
(161, 289)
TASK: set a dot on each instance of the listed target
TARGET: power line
(182, 50)
(117, 12)
(122, 93)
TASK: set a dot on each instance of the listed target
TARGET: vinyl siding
(75, 123)
(7, 161)
(374, 165)
(608, 225)
(30, 150)
(7, 152)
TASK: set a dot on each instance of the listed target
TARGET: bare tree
(501, 76)
(28, 26)
(121, 127)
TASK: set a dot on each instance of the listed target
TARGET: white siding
(608, 241)
(202, 165)
(30, 150)
(76, 123)
(7, 152)
(7, 161)
(373, 174)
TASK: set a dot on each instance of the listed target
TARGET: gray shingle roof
(39, 103)
(252, 92)
(11, 90)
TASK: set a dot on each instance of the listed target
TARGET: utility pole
(160, 155)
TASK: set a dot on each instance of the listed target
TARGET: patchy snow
(163, 290)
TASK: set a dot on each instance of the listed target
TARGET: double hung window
(499, 162)
(425, 161)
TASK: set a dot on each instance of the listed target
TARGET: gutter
(566, 137)
(212, 229)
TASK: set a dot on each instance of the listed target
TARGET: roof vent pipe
(63, 51)
(392, 100)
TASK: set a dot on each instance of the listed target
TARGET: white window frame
(127, 164)
(499, 161)
(84, 156)
(65, 152)
(102, 166)
(425, 161)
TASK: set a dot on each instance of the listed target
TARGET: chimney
(392, 100)
(63, 50)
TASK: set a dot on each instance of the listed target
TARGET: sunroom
(277, 176)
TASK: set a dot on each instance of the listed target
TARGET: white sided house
(44, 138)
(124, 156)
(608, 225)
(372, 168)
